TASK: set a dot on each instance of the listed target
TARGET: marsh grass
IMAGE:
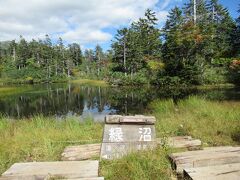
(215, 123)
(42, 139)
(89, 82)
(144, 165)
(6, 91)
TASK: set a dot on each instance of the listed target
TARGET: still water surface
(63, 100)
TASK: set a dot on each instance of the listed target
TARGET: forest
(192, 48)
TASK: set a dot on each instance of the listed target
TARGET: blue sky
(232, 5)
(88, 22)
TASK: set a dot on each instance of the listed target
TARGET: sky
(87, 22)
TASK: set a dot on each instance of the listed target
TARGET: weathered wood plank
(91, 178)
(112, 119)
(181, 142)
(137, 119)
(48, 178)
(60, 169)
(208, 157)
(207, 150)
(221, 172)
(81, 152)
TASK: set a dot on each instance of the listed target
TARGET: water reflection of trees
(56, 100)
(71, 99)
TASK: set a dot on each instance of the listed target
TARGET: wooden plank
(137, 119)
(112, 119)
(208, 157)
(47, 178)
(60, 169)
(211, 160)
(181, 142)
(91, 178)
(207, 150)
(81, 152)
(221, 172)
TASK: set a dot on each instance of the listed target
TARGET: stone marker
(125, 134)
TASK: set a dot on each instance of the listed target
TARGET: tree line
(43, 60)
(199, 43)
(192, 47)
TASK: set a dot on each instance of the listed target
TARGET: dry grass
(215, 123)
(89, 82)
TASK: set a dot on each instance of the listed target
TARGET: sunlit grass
(6, 91)
(152, 164)
(215, 123)
(89, 82)
(42, 139)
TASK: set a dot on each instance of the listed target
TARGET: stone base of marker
(125, 134)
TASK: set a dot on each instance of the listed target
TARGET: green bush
(215, 75)
(168, 81)
(119, 78)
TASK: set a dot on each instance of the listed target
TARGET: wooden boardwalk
(219, 172)
(210, 163)
(53, 170)
(81, 152)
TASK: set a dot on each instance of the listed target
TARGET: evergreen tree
(75, 53)
(222, 26)
(98, 56)
(135, 46)
(22, 53)
(61, 61)
(236, 37)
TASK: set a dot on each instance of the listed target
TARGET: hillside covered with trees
(196, 46)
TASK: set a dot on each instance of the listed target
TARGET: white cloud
(165, 4)
(75, 20)
(86, 35)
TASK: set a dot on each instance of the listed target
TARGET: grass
(6, 91)
(142, 165)
(11, 81)
(215, 123)
(43, 139)
(89, 82)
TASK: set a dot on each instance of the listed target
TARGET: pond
(62, 100)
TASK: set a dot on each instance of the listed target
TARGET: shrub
(234, 72)
(215, 75)
(119, 78)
